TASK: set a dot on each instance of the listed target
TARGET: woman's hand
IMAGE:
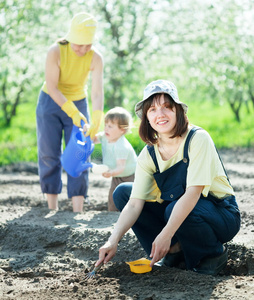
(86, 127)
(97, 118)
(106, 253)
(160, 247)
(127, 218)
(72, 111)
(181, 210)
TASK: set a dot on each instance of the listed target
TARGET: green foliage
(24, 31)
(128, 29)
(218, 58)
(204, 47)
(134, 138)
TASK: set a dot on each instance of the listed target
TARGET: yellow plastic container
(139, 266)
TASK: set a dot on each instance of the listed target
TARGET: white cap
(159, 86)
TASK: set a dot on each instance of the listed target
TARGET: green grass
(18, 142)
(221, 124)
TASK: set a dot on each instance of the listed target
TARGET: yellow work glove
(71, 110)
(97, 117)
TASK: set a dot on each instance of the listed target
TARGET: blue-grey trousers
(52, 123)
(202, 234)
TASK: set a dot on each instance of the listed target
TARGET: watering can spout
(83, 166)
(77, 152)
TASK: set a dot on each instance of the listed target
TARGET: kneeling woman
(181, 205)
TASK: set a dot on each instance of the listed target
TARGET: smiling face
(112, 131)
(81, 50)
(162, 115)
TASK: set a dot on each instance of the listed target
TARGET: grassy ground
(18, 142)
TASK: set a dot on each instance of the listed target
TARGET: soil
(46, 254)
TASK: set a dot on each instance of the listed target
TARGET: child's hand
(107, 174)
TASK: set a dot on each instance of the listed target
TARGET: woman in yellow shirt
(63, 102)
(181, 205)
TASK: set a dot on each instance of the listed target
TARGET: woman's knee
(121, 194)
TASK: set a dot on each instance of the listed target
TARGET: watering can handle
(76, 130)
(90, 144)
(82, 123)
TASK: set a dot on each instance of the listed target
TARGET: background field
(18, 141)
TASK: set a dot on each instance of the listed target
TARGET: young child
(118, 154)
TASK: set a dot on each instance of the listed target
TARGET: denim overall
(51, 123)
(211, 223)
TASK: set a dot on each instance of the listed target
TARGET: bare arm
(96, 140)
(127, 218)
(120, 165)
(52, 72)
(97, 93)
(181, 210)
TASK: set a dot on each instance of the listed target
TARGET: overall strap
(153, 156)
(223, 166)
(186, 147)
(187, 142)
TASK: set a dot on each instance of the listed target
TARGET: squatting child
(117, 152)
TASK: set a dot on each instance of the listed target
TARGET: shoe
(171, 259)
(212, 265)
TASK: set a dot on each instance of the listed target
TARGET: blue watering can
(76, 153)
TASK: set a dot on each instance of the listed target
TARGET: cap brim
(139, 111)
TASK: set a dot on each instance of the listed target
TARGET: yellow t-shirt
(74, 71)
(204, 169)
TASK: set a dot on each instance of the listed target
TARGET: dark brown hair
(147, 133)
(62, 41)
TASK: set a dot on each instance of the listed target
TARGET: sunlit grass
(220, 122)
(18, 142)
